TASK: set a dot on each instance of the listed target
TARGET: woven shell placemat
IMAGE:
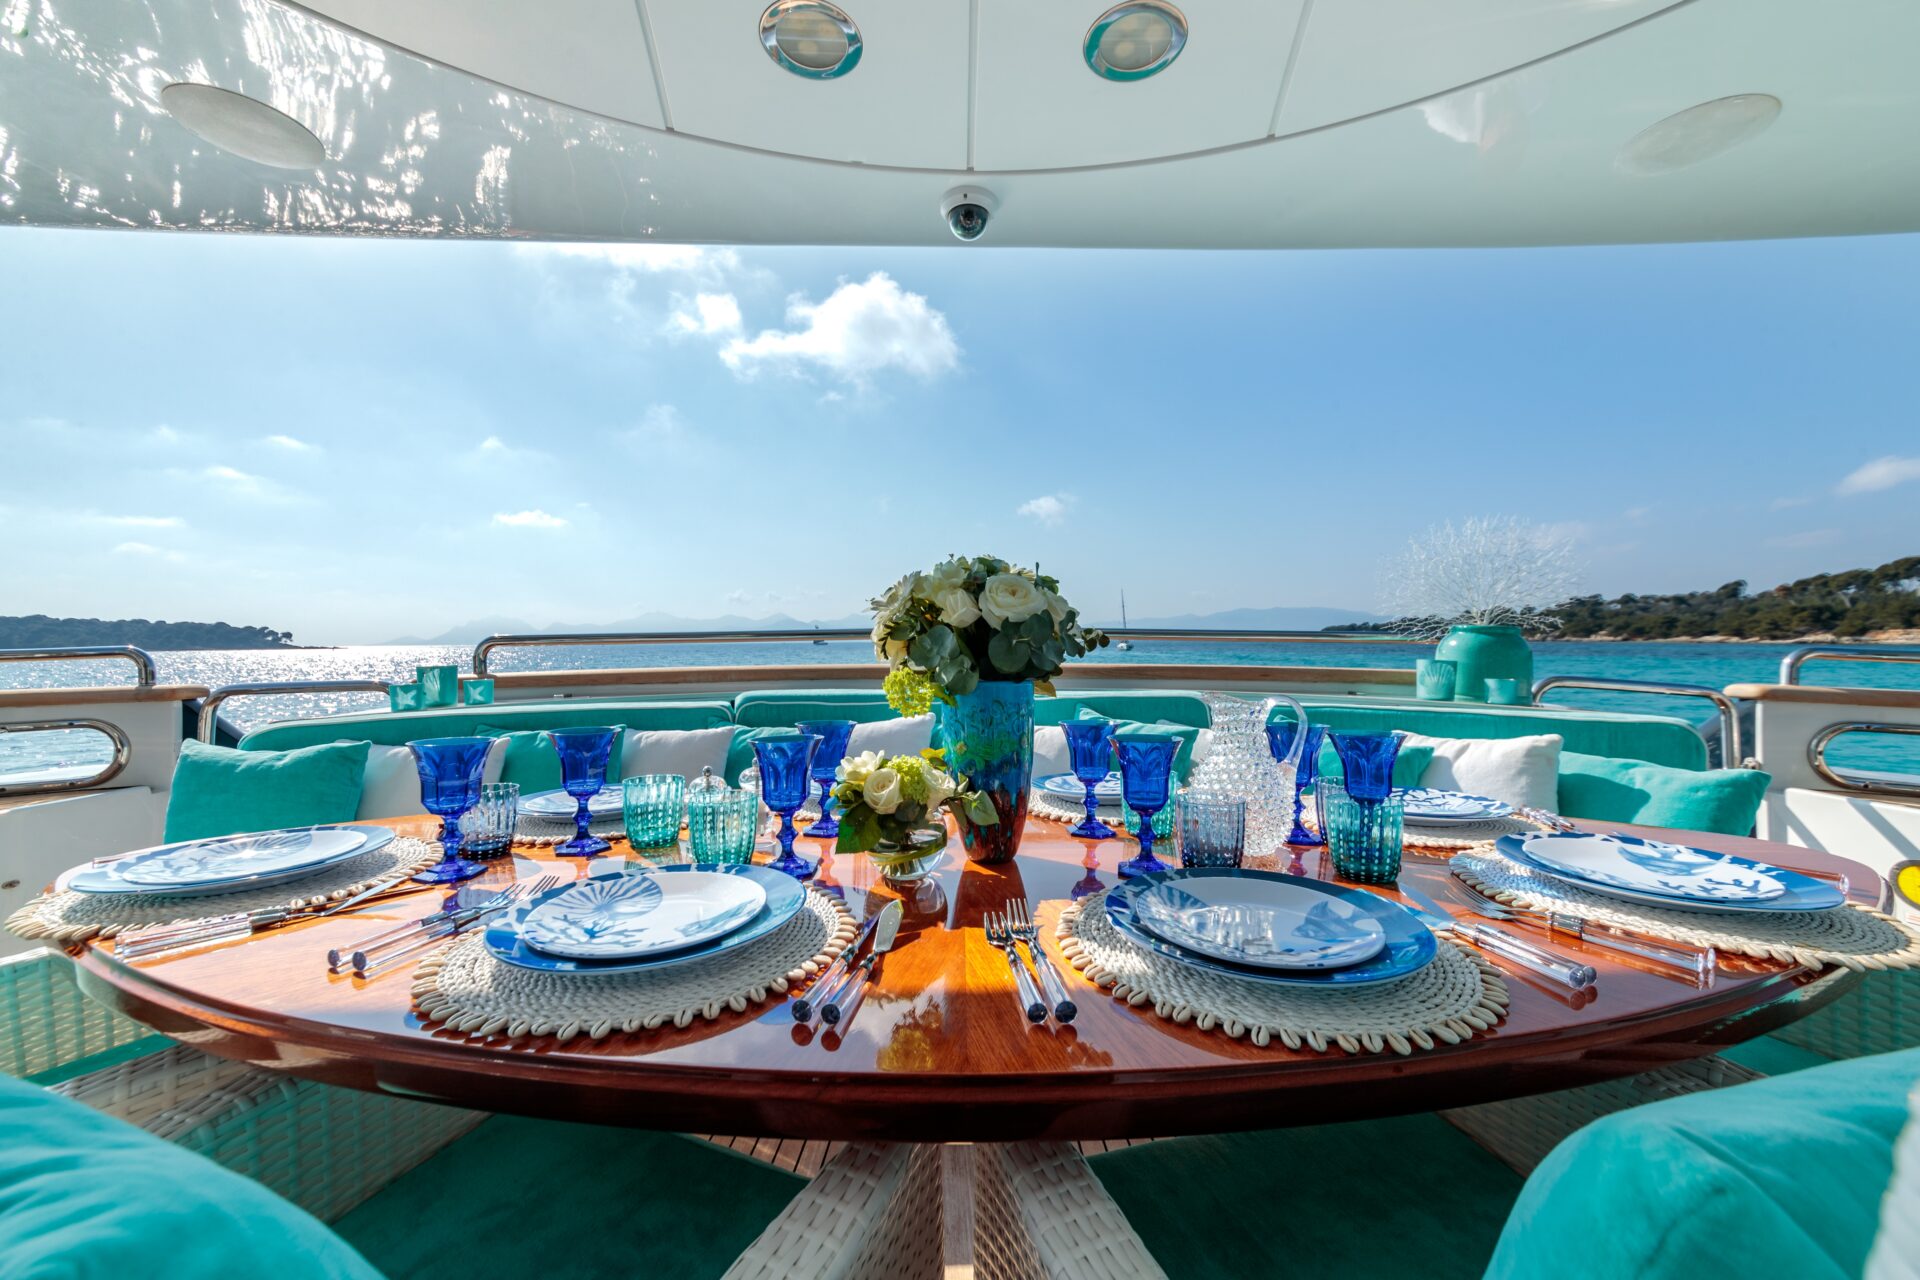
(66, 918)
(541, 832)
(1446, 1002)
(1462, 835)
(463, 988)
(1052, 808)
(1854, 936)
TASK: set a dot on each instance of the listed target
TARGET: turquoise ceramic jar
(1480, 652)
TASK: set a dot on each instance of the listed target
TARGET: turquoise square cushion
(218, 791)
(1780, 1177)
(85, 1195)
(532, 761)
(1607, 790)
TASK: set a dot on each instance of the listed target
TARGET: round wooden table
(940, 1052)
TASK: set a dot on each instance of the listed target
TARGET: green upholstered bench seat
(1654, 739)
(783, 708)
(397, 728)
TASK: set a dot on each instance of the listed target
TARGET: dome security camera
(967, 211)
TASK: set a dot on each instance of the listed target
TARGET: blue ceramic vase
(988, 735)
(1478, 652)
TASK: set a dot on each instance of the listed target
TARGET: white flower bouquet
(885, 800)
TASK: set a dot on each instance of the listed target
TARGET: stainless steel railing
(142, 660)
(114, 734)
(1791, 664)
(1817, 757)
(209, 725)
(483, 652)
(1732, 742)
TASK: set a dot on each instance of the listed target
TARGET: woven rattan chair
(47, 1025)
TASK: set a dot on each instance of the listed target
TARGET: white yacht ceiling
(1282, 122)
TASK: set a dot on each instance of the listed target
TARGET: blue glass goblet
(1279, 742)
(1367, 760)
(1146, 776)
(785, 778)
(833, 735)
(451, 770)
(1090, 747)
(583, 772)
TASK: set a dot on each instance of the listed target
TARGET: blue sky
(356, 440)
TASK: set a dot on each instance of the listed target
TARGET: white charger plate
(228, 864)
(605, 803)
(1069, 787)
(1433, 806)
(1263, 924)
(634, 916)
(1669, 873)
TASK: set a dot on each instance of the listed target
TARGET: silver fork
(1022, 925)
(341, 957)
(371, 960)
(1696, 962)
(1000, 935)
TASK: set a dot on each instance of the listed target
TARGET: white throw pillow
(390, 787)
(1520, 771)
(1050, 754)
(682, 751)
(902, 737)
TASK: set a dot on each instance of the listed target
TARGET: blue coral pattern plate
(1434, 806)
(1656, 873)
(634, 916)
(1069, 787)
(229, 864)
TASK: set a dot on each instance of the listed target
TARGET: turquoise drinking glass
(652, 804)
(1362, 835)
(477, 693)
(439, 685)
(722, 823)
(1504, 691)
(406, 697)
(1433, 679)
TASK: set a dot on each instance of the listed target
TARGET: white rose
(1008, 597)
(883, 791)
(857, 768)
(1055, 605)
(957, 607)
(946, 575)
(939, 788)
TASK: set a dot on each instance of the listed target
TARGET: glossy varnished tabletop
(939, 1052)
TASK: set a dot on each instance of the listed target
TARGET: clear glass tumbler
(1213, 829)
(486, 830)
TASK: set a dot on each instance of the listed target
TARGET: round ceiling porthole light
(810, 38)
(1698, 133)
(245, 126)
(1136, 40)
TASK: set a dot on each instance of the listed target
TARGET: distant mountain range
(1277, 619)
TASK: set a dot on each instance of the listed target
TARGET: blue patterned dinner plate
(1432, 805)
(1264, 924)
(784, 895)
(1409, 944)
(1069, 787)
(1687, 879)
(228, 864)
(604, 803)
(634, 916)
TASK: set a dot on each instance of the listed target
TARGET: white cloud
(1805, 538)
(534, 519)
(859, 330)
(142, 522)
(1049, 508)
(244, 484)
(291, 445)
(1881, 473)
(712, 314)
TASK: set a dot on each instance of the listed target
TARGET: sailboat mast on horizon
(1123, 645)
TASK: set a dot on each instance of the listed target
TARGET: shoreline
(1895, 637)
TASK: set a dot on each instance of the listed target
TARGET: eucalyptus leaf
(859, 830)
(980, 810)
(1006, 652)
(962, 684)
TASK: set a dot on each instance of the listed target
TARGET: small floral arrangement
(971, 619)
(886, 799)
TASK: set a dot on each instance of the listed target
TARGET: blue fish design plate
(228, 864)
(1657, 874)
(634, 916)
(783, 896)
(1434, 806)
(1409, 944)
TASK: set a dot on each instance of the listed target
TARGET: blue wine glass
(1090, 747)
(1367, 760)
(834, 736)
(583, 772)
(451, 770)
(1279, 742)
(785, 778)
(1146, 776)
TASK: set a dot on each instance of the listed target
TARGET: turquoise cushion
(1780, 1177)
(740, 752)
(1408, 766)
(532, 762)
(1374, 1200)
(1148, 706)
(218, 791)
(658, 1206)
(387, 728)
(85, 1195)
(784, 708)
(1722, 800)
(1655, 739)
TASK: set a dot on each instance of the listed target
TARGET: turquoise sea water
(1713, 665)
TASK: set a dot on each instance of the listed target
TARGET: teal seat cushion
(607, 1202)
(396, 729)
(1654, 739)
(85, 1195)
(1380, 1199)
(1722, 800)
(1407, 766)
(784, 708)
(1146, 705)
(1780, 1177)
(532, 761)
(218, 791)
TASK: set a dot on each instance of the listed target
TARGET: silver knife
(838, 1009)
(803, 1006)
(1567, 973)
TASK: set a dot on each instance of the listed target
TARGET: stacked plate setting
(641, 920)
(1658, 874)
(1068, 787)
(1431, 807)
(558, 806)
(227, 864)
(1264, 926)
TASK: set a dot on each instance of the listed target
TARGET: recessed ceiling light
(1136, 40)
(810, 38)
(245, 126)
(1698, 133)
